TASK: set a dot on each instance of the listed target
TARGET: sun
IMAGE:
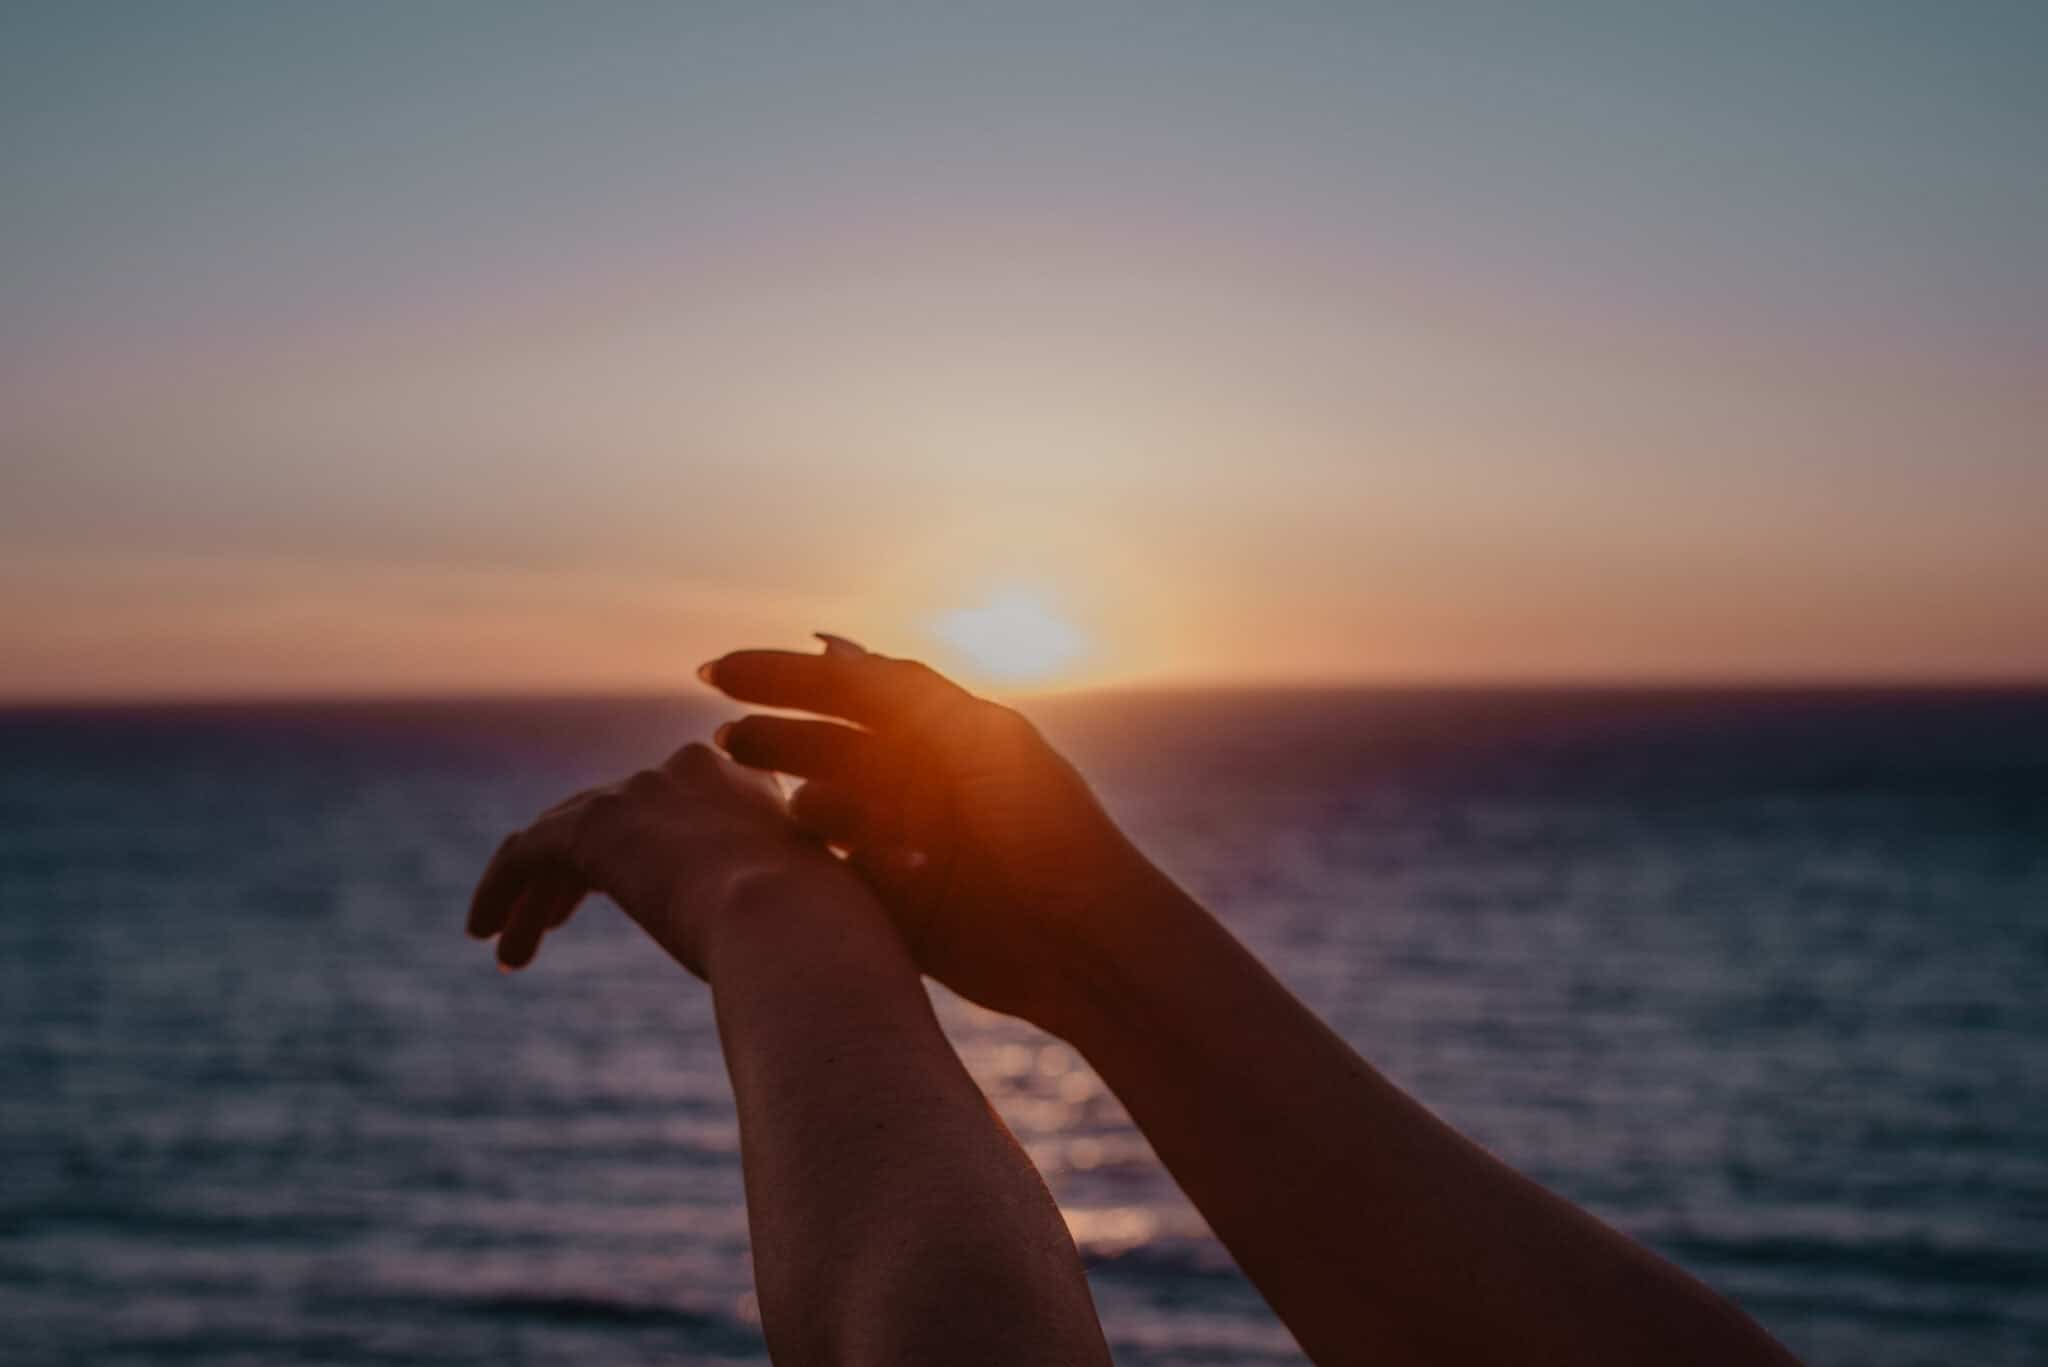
(1016, 635)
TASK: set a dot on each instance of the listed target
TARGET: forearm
(893, 1219)
(1375, 1231)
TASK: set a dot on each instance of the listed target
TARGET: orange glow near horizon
(1015, 636)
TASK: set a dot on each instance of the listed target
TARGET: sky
(395, 348)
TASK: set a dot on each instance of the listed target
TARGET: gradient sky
(406, 347)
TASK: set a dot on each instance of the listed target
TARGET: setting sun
(1016, 635)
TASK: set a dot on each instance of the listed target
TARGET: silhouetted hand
(675, 847)
(987, 847)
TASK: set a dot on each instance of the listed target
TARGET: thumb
(901, 878)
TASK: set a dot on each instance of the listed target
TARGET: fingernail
(707, 672)
(907, 860)
(839, 645)
(719, 737)
(504, 967)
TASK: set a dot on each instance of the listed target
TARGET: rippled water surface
(1757, 978)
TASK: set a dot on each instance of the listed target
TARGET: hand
(987, 848)
(675, 847)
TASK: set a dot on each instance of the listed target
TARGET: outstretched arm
(1377, 1233)
(894, 1219)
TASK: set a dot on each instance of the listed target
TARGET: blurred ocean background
(1758, 977)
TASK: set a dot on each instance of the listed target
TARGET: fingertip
(481, 923)
(707, 672)
(722, 737)
(524, 928)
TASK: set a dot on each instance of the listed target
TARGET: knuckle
(1005, 723)
(919, 675)
(647, 783)
(601, 811)
(693, 760)
(904, 675)
(931, 701)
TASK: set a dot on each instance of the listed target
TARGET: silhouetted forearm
(894, 1220)
(1377, 1232)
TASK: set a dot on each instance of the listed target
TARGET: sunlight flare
(1017, 635)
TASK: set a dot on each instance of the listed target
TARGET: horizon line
(1757, 684)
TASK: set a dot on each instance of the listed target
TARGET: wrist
(796, 914)
(1133, 932)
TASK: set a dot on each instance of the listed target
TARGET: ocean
(1757, 977)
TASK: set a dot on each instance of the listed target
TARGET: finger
(558, 895)
(503, 879)
(900, 877)
(836, 814)
(694, 758)
(872, 690)
(807, 749)
(582, 795)
(545, 845)
(893, 863)
(831, 685)
(524, 926)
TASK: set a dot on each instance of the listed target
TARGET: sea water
(1757, 977)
